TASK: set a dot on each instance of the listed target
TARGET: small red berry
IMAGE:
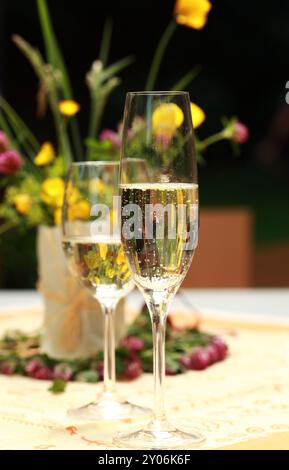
(213, 353)
(200, 359)
(185, 361)
(132, 343)
(99, 369)
(32, 366)
(170, 371)
(7, 368)
(133, 369)
(43, 373)
(220, 346)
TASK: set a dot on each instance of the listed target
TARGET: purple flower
(4, 142)
(132, 344)
(112, 136)
(10, 162)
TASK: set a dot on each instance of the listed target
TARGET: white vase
(73, 321)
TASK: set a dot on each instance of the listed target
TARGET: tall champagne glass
(159, 229)
(92, 245)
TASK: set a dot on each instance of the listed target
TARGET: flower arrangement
(33, 172)
(188, 348)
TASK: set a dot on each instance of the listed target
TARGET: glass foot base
(160, 435)
(110, 407)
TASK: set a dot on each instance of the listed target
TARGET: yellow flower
(102, 250)
(126, 276)
(198, 115)
(22, 203)
(110, 272)
(45, 155)
(53, 191)
(166, 118)
(124, 268)
(192, 13)
(120, 259)
(57, 216)
(79, 210)
(96, 186)
(68, 107)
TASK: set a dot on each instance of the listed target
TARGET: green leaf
(186, 79)
(97, 145)
(19, 126)
(173, 364)
(46, 74)
(55, 58)
(53, 52)
(90, 376)
(115, 68)
(159, 53)
(4, 126)
(58, 386)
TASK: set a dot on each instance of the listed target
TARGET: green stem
(76, 139)
(60, 127)
(202, 145)
(160, 50)
(105, 41)
(95, 118)
(7, 226)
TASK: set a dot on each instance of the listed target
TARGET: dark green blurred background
(244, 53)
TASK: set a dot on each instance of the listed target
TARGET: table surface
(272, 302)
(240, 403)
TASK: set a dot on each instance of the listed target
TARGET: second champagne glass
(92, 245)
(159, 229)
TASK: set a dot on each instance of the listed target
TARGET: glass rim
(95, 163)
(156, 93)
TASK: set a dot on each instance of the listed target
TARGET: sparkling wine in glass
(159, 229)
(92, 246)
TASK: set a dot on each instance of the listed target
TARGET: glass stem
(158, 304)
(159, 327)
(109, 349)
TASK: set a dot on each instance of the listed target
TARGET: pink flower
(62, 371)
(10, 162)
(4, 142)
(112, 136)
(240, 133)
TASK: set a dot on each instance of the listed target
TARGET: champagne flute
(159, 229)
(92, 245)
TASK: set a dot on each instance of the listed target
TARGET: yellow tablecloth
(241, 403)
